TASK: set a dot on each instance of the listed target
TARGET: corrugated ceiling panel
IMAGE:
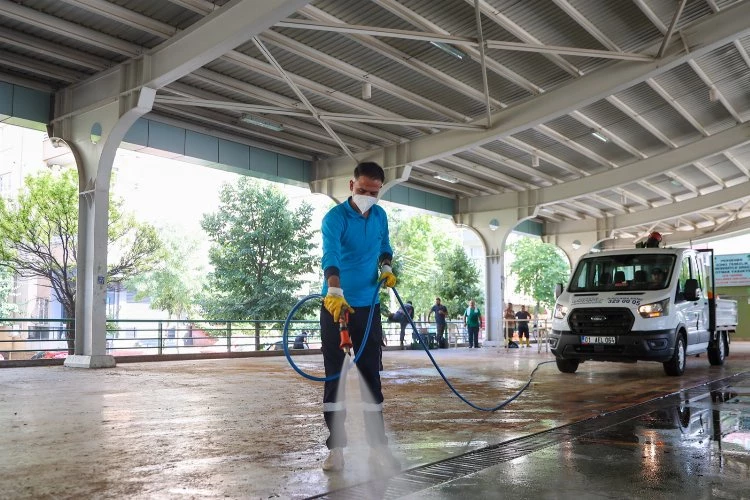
(97, 22)
(369, 62)
(673, 125)
(624, 127)
(544, 167)
(166, 12)
(680, 81)
(505, 149)
(466, 70)
(456, 17)
(641, 98)
(623, 23)
(499, 167)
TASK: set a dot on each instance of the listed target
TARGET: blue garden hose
(285, 344)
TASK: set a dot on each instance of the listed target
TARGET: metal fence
(31, 338)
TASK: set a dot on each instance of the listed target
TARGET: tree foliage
(7, 308)
(415, 249)
(260, 250)
(175, 283)
(459, 281)
(539, 266)
(427, 262)
(39, 234)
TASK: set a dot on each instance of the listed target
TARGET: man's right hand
(335, 303)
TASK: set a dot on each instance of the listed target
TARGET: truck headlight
(560, 311)
(655, 309)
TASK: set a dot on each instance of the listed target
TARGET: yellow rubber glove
(334, 302)
(386, 273)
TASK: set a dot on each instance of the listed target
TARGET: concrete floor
(252, 428)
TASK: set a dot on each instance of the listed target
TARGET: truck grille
(600, 321)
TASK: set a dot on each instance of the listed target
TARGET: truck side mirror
(692, 292)
(558, 290)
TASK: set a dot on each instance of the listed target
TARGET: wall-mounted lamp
(576, 244)
(494, 224)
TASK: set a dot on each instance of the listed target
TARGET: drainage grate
(420, 478)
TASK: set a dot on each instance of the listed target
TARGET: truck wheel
(567, 365)
(717, 353)
(676, 366)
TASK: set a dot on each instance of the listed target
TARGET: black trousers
(523, 330)
(334, 410)
(473, 336)
(440, 330)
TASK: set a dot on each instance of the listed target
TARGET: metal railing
(538, 332)
(31, 338)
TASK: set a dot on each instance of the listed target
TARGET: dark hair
(369, 169)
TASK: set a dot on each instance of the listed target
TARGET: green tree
(39, 233)
(417, 242)
(175, 283)
(539, 266)
(7, 308)
(260, 249)
(459, 281)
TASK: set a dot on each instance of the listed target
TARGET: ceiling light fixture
(600, 136)
(366, 90)
(535, 161)
(262, 122)
(449, 49)
(446, 178)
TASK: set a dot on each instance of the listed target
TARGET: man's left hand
(386, 273)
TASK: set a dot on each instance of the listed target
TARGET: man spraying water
(356, 258)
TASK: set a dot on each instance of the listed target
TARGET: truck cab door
(689, 311)
(703, 305)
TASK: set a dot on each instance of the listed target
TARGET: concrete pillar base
(100, 361)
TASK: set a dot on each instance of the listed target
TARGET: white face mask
(364, 203)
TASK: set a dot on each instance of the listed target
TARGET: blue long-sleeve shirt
(352, 248)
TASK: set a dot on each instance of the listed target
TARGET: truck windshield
(622, 273)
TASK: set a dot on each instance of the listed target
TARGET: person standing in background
(441, 314)
(472, 320)
(523, 318)
(509, 319)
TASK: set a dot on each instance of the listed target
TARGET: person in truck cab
(657, 278)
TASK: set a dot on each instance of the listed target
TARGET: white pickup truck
(645, 304)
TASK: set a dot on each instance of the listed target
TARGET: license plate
(585, 339)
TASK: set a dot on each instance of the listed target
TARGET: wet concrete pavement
(252, 428)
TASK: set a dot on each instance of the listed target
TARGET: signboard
(732, 270)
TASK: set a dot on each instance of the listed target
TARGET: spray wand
(346, 341)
